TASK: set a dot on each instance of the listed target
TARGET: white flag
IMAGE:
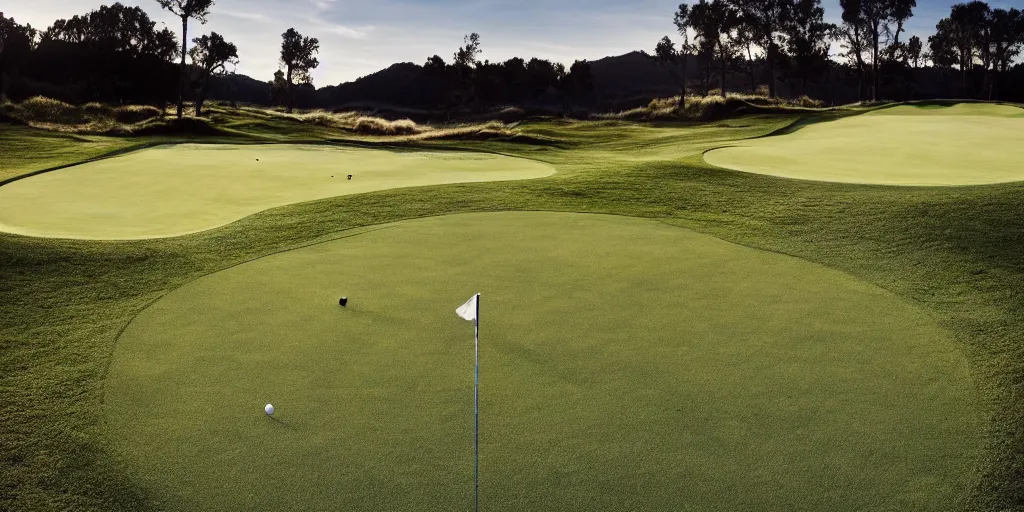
(468, 310)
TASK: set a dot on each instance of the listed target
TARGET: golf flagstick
(476, 409)
(471, 311)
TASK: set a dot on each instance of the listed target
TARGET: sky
(360, 37)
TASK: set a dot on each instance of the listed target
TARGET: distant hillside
(620, 82)
(619, 79)
(399, 84)
(240, 88)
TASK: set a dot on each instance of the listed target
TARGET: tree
(186, 10)
(714, 22)
(745, 42)
(900, 11)
(575, 81)
(914, 53)
(808, 37)
(870, 19)
(278, 88)
(682, 20)
(1006, 35)
(467, 55)
(666, 56)
(542, 75)
(114, 53)
(298, 55)
(956, 37)
(464, 65)
(211, 55)
(853, 35)
(16, 43)
(766, 22)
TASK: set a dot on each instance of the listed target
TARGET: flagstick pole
(476, 411)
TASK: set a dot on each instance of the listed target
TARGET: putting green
(185, 188)
(626, 365)
(964, 144)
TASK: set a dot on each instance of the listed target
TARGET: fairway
(625, 365)
(963, 144)
(184, 188)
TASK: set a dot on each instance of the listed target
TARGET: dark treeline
(741, 44)
(116, 54)
(468, 81)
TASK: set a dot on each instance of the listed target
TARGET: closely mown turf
(627, 365)
(177, 189)
(965, 144)
(24, 150)
(956, 252)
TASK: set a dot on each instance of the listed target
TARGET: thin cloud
(247, 16)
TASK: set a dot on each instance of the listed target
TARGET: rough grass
(956, 252)
(707, 108)
(91, 118)
(405, 129)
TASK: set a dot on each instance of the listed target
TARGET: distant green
(964, 144)
(627, 365)
(178, 189)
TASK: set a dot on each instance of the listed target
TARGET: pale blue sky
(359, 37)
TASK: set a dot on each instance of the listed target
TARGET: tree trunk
(896, 39)
(707, 76)
(682, 85)
(770, 57)
(291, 91)
(860, 83)
(874, 64)
(721, 49)
(753, 77)
(201, 95)
(181, 74)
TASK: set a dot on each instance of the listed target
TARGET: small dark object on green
(343, 301)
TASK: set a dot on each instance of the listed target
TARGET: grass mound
(969, 144)
(708, 108)
(91, 118)
(184, 188)
(657, 381)
(352, 121)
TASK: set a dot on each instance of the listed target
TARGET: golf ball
(269, 409)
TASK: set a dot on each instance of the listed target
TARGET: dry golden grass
(56, 115)
(406, 129)
(706, 107)
(353, 121)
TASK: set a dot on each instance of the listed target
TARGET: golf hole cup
(343, 301)
(269, 409)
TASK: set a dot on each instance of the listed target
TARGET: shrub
(378, 126)
(132, 114)
(49, 110)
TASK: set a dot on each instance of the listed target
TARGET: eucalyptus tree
(715, 22)
(298, 55)
(766, 21)
(185, 10)
(808, 40)
(210, 56)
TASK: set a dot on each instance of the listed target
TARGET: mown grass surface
(177, 189)
(956, 252)
(622, 370)
(964, 144)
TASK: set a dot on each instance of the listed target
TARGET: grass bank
(954, 252)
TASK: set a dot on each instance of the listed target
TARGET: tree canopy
(298, 56)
